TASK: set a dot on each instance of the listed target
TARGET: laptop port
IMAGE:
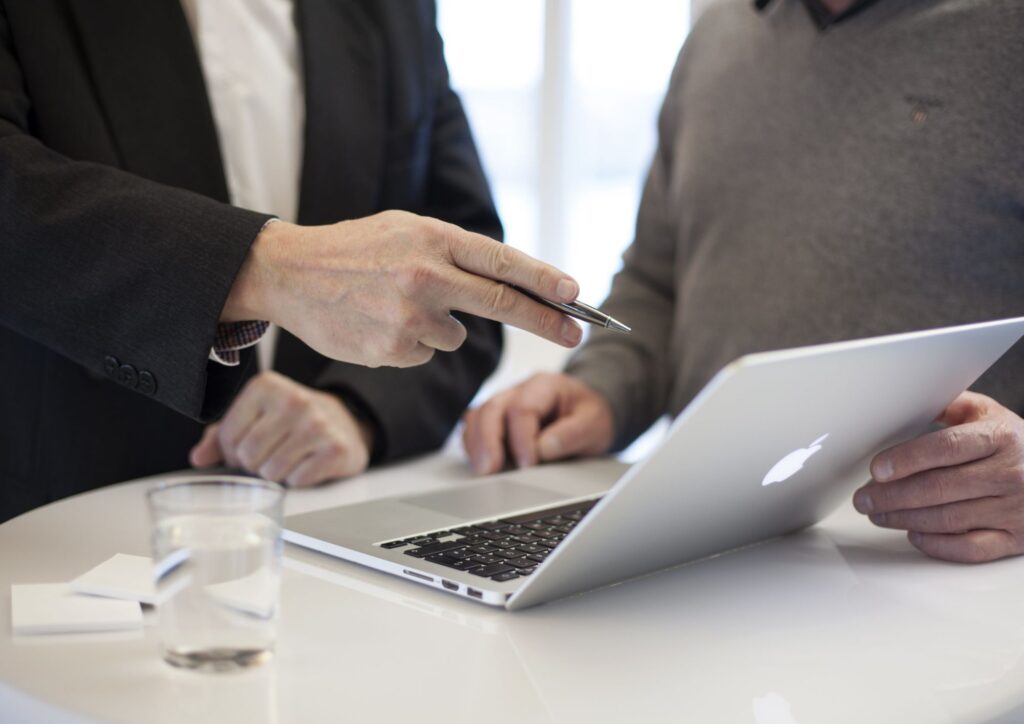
(414, 574)
(474, 593)
(450, 585)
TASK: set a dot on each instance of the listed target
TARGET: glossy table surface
(840, 623)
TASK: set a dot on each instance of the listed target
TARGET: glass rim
(181, 482)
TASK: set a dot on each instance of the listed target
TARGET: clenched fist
(286, 432)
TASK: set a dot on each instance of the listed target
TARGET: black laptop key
(506, 576)
(492, 525)
(522, 563)
(495, 535)
(539, 557)
(427, 550)
(394, 544)
(548, 543)
(442, 559)
(574, 511)
(484, 560)
(527, 539)
(465, 565)
(421, 540)
(460, 553)
(525, 571)
(491, 570)
(530, 548)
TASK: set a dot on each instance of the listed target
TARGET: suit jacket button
(110, 365)
(147, 383)
(128, 376)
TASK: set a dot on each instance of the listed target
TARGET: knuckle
(500, 298)
(1005, 436)
(500, 261)
(951, 520)
(413, 280)
(518, 409)
(1009, 481)
(549, 322)
(334, 449)
(318, 424)
(951, 442)
(297, 401)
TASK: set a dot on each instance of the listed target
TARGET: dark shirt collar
(821, 15)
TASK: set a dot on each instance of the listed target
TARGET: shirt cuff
(233, 337)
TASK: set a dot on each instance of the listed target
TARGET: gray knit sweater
(812, 186)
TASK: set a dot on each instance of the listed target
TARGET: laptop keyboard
(500, 549)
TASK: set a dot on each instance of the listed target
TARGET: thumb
(967, 407)
(207, 450)
(568, 436)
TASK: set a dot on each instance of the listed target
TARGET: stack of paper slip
(123, 576)
(106, 598)
(41, 608)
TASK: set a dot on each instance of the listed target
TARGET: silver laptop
(771, 445)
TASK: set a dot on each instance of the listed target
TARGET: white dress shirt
(249, 51)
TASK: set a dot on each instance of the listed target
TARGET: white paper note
(122, 576)
(41, 608)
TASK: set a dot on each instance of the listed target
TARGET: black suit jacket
(118, 248)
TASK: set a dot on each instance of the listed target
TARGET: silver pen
(581, 311)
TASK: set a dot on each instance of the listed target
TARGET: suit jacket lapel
(345, 138)
(150, 83)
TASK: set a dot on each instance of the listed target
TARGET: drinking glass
(217, 559)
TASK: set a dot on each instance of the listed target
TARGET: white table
(842, 623)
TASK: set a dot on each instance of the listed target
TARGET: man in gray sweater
(826, 170)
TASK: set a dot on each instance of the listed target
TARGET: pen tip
(618, 326)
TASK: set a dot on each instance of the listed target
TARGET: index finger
(493, 300)
(477, 254)
(940, 449)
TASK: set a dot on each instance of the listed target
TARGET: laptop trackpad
(484, 501)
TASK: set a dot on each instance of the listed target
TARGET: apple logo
(792, 463)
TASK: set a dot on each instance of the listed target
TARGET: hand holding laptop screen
(959, 492)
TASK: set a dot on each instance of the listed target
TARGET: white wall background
(563, 97)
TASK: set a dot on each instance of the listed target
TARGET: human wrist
(251, 295)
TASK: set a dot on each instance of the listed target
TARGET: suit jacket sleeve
(100, 265)
(414, 410)
(632, 371)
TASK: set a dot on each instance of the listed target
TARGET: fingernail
(882, 470)
(915, 538)
(877, 518)
(571, 333)
(482, 463)
(568, 290)
(862, 502)
(549, 448)
(522, 462)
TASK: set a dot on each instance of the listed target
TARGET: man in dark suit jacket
(119, 255)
